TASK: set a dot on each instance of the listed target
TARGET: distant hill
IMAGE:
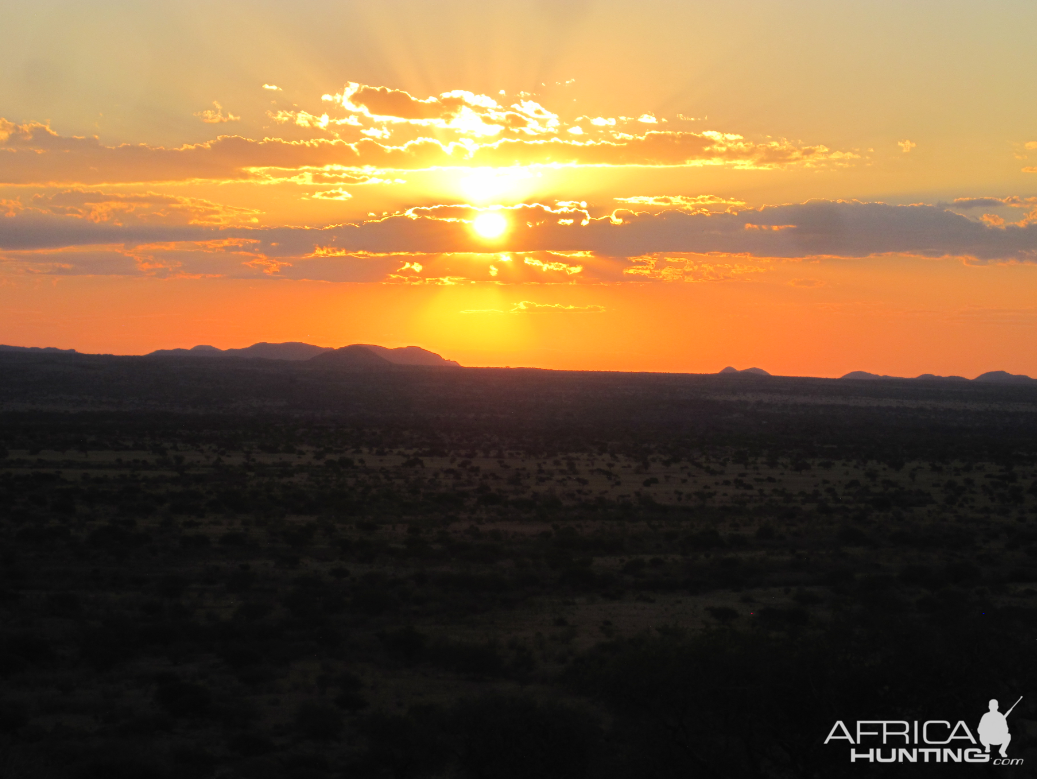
(1002, 377)
(297, 351)
(194, 351)
(353, 357)
(369, 356)
(410, 355)
(47, 349)
(931, 377)
(292, 350)
(992, 377)
(751, 371)
(864, 375)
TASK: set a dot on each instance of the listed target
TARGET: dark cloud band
(812, 229)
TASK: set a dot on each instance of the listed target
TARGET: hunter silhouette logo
(931, 741)
(993, 728)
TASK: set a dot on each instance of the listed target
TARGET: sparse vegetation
(272, 570)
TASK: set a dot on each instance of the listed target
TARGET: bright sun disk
(490, 225)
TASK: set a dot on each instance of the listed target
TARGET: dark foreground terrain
(265, 569)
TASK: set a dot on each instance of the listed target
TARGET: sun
(490, 225)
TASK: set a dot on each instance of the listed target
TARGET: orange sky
(811, 188)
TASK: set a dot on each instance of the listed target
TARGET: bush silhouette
(183, 699)
(318, 721)
(514, 738)
(722, 614)
(404, 747)
(406, 643)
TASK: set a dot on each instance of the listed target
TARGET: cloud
(202, 259)
(689, 268)
(460, 110)
(990, 202)
(806, 283)
(996, 220)
(272, 87)
(119, 209)
(34, 154)
(816, 228)
(627, 245)
(679, 201)
(528, 306)
(906, 145)
(95, 261)
(217, 117)
(10, 207)
(309, 176)
(331, 194)
(561, 267)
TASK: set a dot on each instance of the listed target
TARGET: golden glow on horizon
(490, 225)
(638, 201)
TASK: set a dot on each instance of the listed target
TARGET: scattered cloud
(817, 228)
(689, 268)
(35, 154)
(529, 306)
(679, 201)
(906, 145)
(992, 202)
(998, 220)
(459, 110)
(331, 194)
(553, 266)
(272, 87)
(11, 207)
(526, 306)
(145, 208)
(807, 283)
(210, 116)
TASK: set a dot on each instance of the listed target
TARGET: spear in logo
(1013, 706)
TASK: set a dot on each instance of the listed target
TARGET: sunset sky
(807, 187)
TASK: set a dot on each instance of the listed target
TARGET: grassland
(266, 570)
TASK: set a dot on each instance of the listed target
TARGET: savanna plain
(253, 568)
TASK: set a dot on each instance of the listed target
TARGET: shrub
(13, 715)
(404, 747)
(63, 604)
(514, 738)
(183, 699)
(722, 614)
(318, 721)
(406, 643)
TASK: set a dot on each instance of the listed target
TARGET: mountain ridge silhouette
(990, 377)
(749, 371)
(297, 351)
(373, 356)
